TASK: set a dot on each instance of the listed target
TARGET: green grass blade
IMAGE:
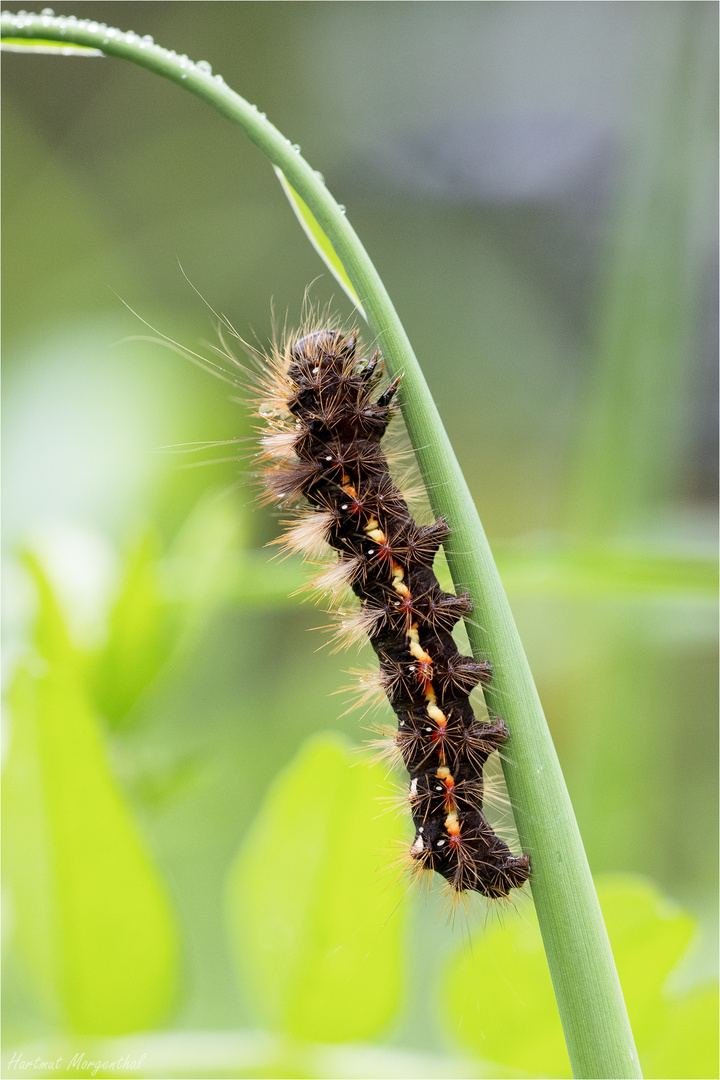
(629, 435)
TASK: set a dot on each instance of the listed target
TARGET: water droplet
(319, 176)
(148, 39)
(266, 410)
(341, 208)
(184, 75)
(202, 65)
(296, 148)
(47, 11)
(263, 115)
(218, 79)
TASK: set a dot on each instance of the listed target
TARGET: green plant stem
(589, 996)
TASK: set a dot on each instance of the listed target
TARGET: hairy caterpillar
(322, 442)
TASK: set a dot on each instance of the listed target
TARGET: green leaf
(53, 48)
(499, 999)
(687, 1045)
(316, 924)
(319, 240)
(51, 637)
(91, 918)
(140, 637)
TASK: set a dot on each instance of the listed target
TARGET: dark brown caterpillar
(323, 443)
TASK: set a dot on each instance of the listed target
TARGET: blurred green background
(536, 184)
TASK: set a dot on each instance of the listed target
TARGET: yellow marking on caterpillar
(452, 825)
(443, 773)
(374, 532)
(417, 650)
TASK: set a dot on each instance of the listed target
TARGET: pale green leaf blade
(649, 935)
(141, 633)
(91, 917)
(51, 48)
(687, 1046)
(319, 240)
(315, 913)
(510, 1016)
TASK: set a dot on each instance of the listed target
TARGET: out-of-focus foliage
(92, 917)
(317, 925)
(510, 1015)
(532, 181)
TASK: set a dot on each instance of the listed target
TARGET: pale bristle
(336, 577)
(355, 626)
(369, 689)
(398, 802)
(287, 482)
(308, 536)
(277, 445)
(385, 747)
